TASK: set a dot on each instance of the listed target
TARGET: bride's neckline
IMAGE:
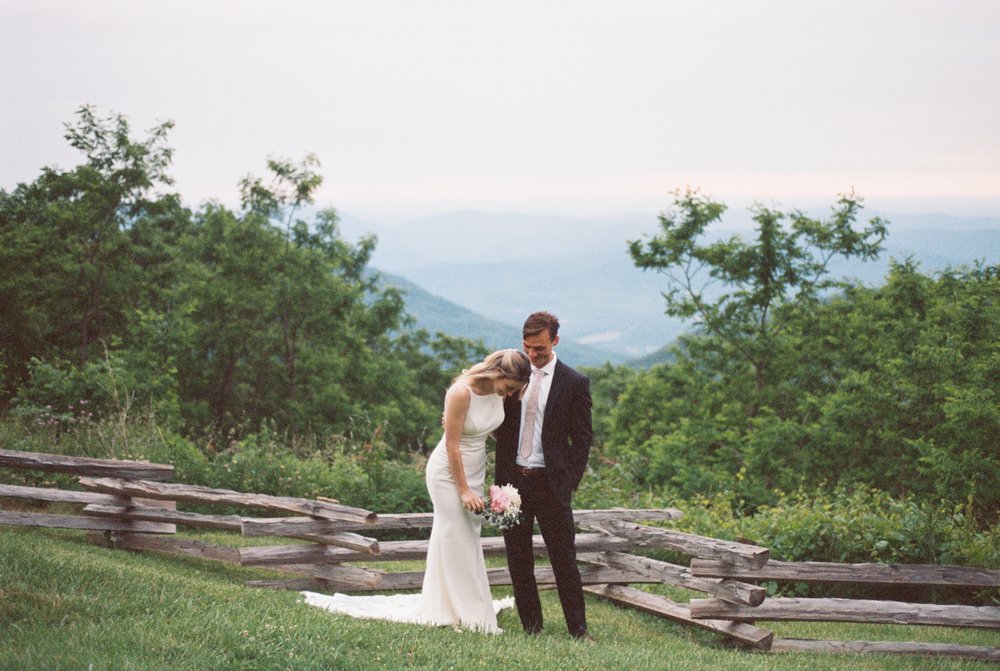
(472, 390)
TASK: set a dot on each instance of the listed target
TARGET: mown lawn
(66, 604)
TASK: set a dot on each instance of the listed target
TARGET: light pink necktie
(528, 430)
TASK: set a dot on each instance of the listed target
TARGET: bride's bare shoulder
(461, 387)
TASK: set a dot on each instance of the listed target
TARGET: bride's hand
(472, 502)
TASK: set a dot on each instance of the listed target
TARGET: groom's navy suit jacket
(566, 433)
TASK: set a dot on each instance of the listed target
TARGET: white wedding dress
(456, 590)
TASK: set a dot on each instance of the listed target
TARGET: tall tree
(66, 272)
(733, 288)
(288, 324)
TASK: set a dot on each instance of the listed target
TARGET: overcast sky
(574, 107)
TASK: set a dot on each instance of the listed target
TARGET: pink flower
(499, 501)
(503, 509)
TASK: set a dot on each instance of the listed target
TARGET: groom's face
(538, 347)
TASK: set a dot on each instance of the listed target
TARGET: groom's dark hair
(541, 321)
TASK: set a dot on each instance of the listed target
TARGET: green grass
(66, 604)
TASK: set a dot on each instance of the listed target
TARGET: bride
(456, 590)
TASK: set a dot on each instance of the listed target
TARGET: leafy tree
(291, 187)
(288, 324)
(67, 277)
(225, 297)
(230, 322)
(689, 423)
(784, 267)
(433, 362)
(911, 400)
(679, 425)
(893, 387)
(607, 383)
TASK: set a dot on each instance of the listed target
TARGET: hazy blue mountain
(934, 250)
(935, 222)
(662, 355)
(436, 314)
(601, 298)
(478, 275)
(476, 237)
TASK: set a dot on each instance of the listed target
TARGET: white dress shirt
(537, 458)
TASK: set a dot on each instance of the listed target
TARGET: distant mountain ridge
(436, 314)
(478, 275)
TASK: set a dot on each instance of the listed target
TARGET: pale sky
(561, 106)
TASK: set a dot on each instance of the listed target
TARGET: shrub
(61, 395)
(360, 477)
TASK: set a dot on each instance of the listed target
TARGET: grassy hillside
(66, 604)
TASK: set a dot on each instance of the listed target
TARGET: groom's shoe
(584, 637)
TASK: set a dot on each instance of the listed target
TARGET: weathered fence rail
(127, 506)
(680, 576)
(407, 550)
(740, 554)
(198, 494)
(664, 607)
(57, 463)
(25, 519)
(850, 610)
(869, 574)
(58, 495)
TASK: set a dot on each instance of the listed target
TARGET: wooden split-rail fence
(128, 504)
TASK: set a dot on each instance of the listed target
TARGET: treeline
(796, 381)
(115, 296)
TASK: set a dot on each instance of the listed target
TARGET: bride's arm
(456, 406)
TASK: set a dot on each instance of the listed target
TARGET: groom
(542, 449)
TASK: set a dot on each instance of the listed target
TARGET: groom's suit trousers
(555, 520)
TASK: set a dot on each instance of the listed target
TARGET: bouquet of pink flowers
(503, 507)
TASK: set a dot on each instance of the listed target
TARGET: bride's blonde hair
(507, 363)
